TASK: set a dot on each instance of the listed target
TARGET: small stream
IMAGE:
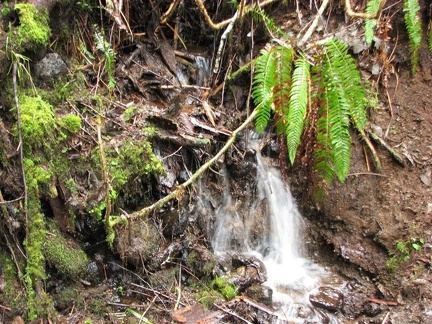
(290, 274)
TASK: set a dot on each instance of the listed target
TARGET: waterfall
(290, 274)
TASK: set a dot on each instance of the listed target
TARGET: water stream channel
(290, 274)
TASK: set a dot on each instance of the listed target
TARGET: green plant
(413, 25)
(403, 252)
(370, 24)
(109, 57)
(5, 10)
(329, 98)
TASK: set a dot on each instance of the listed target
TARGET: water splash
(290, 274)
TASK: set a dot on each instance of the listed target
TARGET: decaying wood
(179, 189)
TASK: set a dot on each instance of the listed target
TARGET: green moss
(36, 177)
(38, 121)
(65, 256)
(34, 28)
(220, 284)
(219, 289)
(132, 160)
(72, 123)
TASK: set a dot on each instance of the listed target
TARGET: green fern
(262, 93)
(370, 24)
(281, 90)
(297, 106)
(413, 25)
(346, 99)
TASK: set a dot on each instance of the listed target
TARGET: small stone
(326, 297)
(260, 293)
(51, 66)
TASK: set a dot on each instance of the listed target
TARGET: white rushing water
(290, 275)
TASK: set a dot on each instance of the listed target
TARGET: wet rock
(164, 257)
(201, 262)
(139, 241)
(51, 66)
(326, 298)
(248, 270)
(260, 293)
(356, 304)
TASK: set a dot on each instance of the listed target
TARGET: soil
(370, 219)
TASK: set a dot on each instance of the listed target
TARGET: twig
(105, 174)
(314, 24)
(21, 150)
(161, 202)
(4, 202)
(387, 302)
(363, 15)
(222, 41)
(385, 318)
(226, 22)
(367, 173)
(232, 314)
(173, 6)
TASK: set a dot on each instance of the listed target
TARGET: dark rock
(51, 66)
(138, 242)
(248, 270)
(260, 293)
(327, 298)
(356, 304)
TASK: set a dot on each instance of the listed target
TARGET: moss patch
(38, 121)
(34, 29)
(65, 256)
(72, 123)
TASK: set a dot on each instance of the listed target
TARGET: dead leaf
(209, 112)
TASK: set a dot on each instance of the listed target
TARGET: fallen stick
(161, 202)
(388, 302)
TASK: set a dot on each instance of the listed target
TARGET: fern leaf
(370, 24)
(297, 106)
(281, 91)
(346, 77)
(413, 25)
(344, 92)
(324, 158)
(263, 83)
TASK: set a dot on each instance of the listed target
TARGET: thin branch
(21, 150)
(363, 15)
(314, 24)
(161, 202)
(222, 24)
(173, 6)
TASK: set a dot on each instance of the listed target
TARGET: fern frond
(281, 91)
(413, 25)
(345, 75)
(324, 157)
(370, 24)
(346, 100)
(297, 106)
(259, 15)
(263, 83)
